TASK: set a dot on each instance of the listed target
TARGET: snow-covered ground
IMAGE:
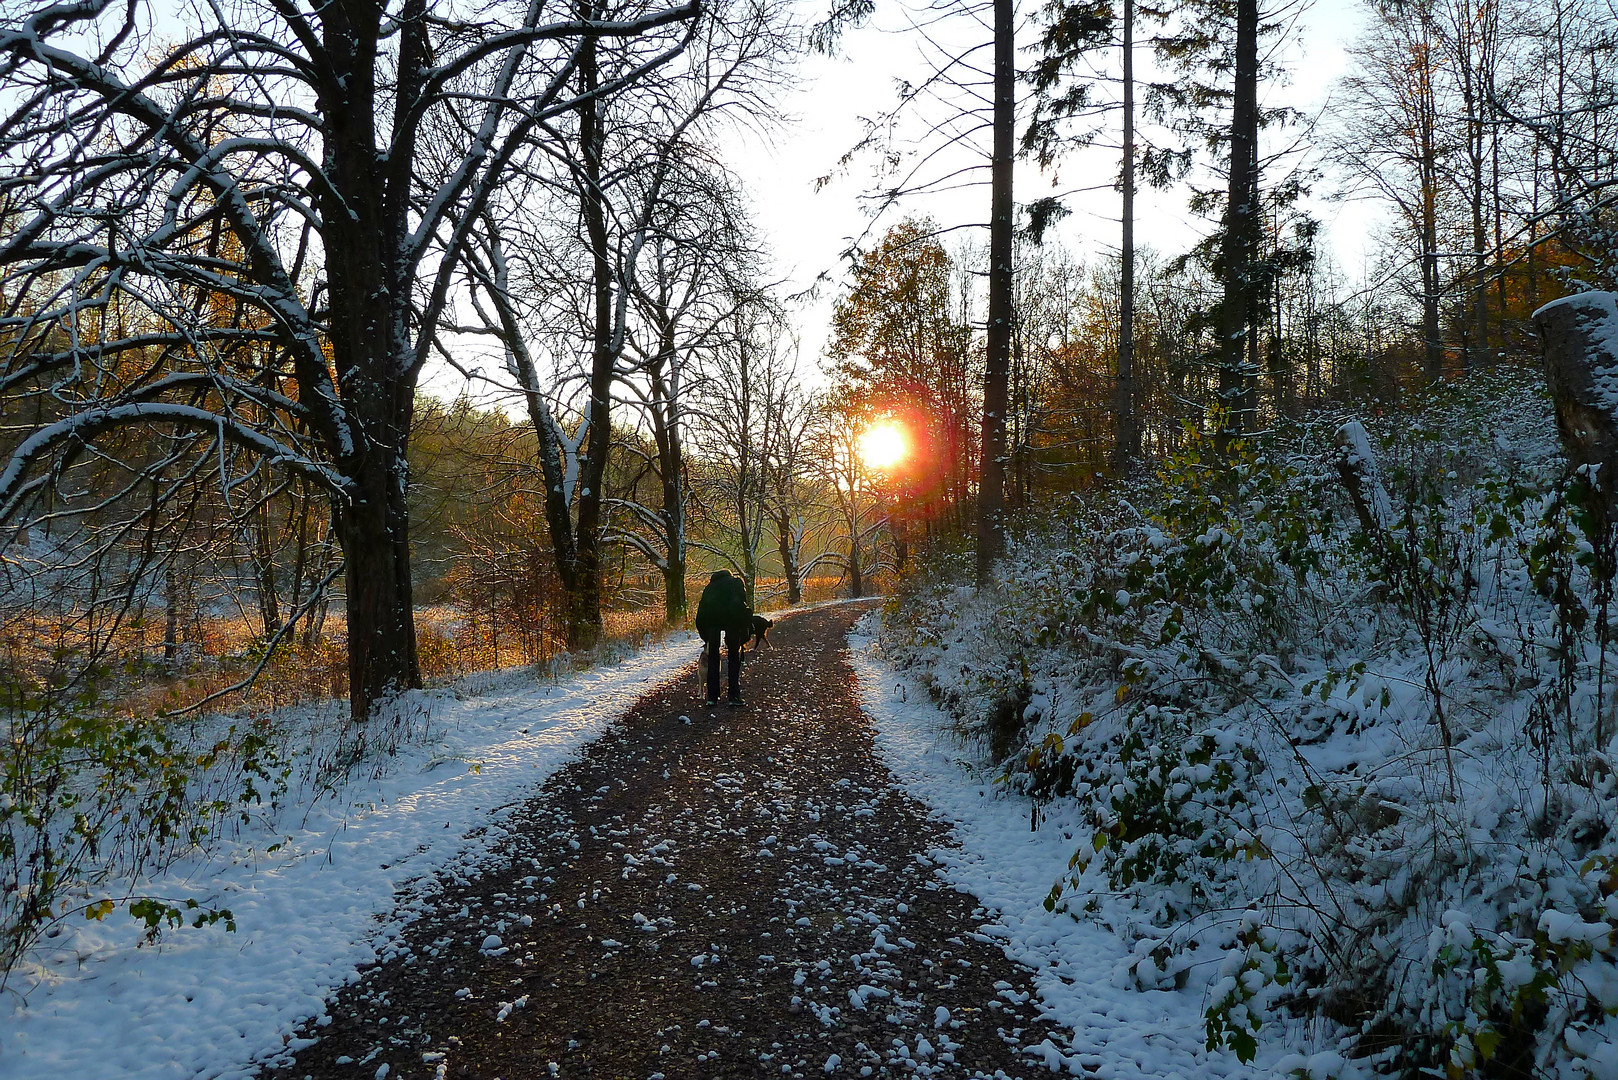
(1118, 1031)
(1306, 761)
(209, 1003)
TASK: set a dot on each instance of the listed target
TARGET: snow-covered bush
(96, 800)
(90, 802)
(1344, 765)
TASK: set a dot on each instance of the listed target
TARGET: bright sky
(807, 230)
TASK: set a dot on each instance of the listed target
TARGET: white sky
(806, 230)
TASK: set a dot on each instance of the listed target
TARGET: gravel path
(706, 893)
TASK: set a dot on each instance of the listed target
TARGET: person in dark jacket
(723, 612)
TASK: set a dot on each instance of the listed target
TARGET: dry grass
(772, 592)
(218, 652)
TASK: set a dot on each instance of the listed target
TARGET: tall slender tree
(997, 336)
(1239, 245)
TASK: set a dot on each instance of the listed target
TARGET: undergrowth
(1340, 766)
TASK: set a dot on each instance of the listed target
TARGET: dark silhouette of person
(723, 612)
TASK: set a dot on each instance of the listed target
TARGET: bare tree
(847, 483)
(1390, 142)
(607, 190)
(698, 269)
(789, 495)
(320, 169)
(752, 379)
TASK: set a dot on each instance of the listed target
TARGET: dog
(761, 632)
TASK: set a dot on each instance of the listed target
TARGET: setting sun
(883, 445)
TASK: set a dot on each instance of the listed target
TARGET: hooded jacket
(723, 607)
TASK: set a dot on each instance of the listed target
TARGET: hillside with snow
(1343, 774)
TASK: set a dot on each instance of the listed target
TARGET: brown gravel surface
(731, 892)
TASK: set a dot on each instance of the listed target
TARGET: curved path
(706, 893)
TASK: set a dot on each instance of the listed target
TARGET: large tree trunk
(997, 344)
(374, 531)
(371, 350)
(1238, 256)
(1579, 341)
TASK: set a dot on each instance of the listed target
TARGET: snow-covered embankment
(322, 904)
(1118, 1031)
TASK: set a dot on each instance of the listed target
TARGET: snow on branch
(84, 426)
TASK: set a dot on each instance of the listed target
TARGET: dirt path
(707, 893)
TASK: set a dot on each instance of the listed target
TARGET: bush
(89, 801)
(1309, 745)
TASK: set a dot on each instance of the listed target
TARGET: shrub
(1312, 746)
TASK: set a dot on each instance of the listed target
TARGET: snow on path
(207, 1003)
(1118, 1031)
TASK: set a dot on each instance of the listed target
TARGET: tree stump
(1579, 341)
(1356, 466)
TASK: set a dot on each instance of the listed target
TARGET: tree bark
(786, 540)
(1237, 393)
(366, 235)
(374, 531)
(997, 345)
(1579, 343)
(582, 580)
(1126, 447)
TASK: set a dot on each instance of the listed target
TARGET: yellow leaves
(1053, 745)
(1123, 691)
(98, 910)
(1083, 721)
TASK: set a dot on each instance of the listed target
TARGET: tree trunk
(1432, 343)
(671, 469)
(582, 581)
(1237, 393)
(997, 346)
(748, 536)
(316, 624)
(365, 233)
(856, 576)
(787, 541)
(675, 601)
(1126, 443)
(374, 532)
(171, 616)
(1579, 340)
(263, 561)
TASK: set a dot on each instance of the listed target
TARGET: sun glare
(882, 445)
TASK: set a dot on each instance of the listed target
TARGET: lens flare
(883, 445)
